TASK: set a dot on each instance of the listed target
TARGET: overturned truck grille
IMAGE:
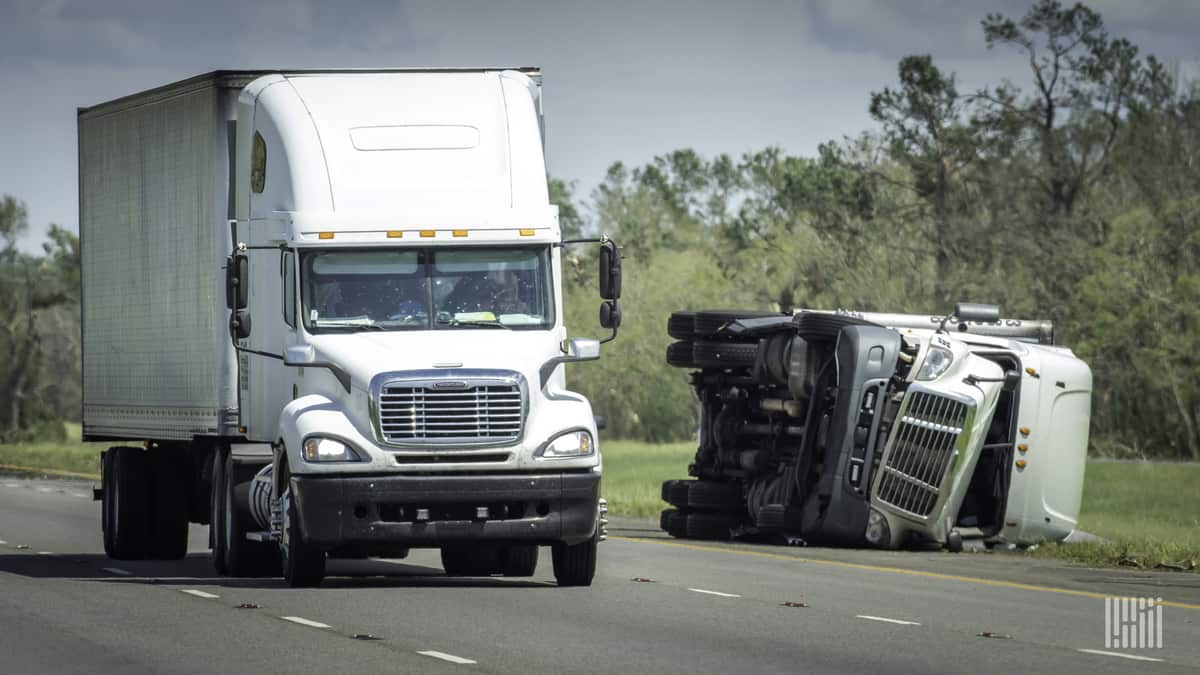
(915, 466)
(451, 412)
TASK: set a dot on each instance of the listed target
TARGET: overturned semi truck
(888, 430)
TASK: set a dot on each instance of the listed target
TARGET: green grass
(71, 455)
(1150, 512)
(634, 472)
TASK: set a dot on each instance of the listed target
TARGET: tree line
(1072, 194)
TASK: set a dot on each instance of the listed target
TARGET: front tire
(575, 565)
(519, 561)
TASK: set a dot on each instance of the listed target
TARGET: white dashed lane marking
(716, 593)
(446, 657)
(886, 620)
(2, 542)
(305, 622)
(1119, 655)
(198, 594)
(117, 570)
(45, 552)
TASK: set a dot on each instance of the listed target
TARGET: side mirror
(237, 282)
(972, 311)
(610, 270)
(239, 324)
(610, 315)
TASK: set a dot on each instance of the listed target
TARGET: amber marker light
(395, 234)
(1023, 447)
(526, 232)
(325, 235)
(428, 234)
(1020, 464)
(460, 233)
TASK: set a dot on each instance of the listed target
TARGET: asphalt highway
(657, 605)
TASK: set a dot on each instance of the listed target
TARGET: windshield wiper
(348, 324)
(474, 324)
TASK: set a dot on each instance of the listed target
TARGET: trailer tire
(711, 526)
(170, 488)
(673, 522)
(303, 564)
(679, 355)
(518, 560)
(575, 565)
(125, 514)
(675, 492)
(711, 495)
(682, 325)
(724, 354)
(708, 323)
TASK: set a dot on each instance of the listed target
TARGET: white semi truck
(888, 430)
(328, 306)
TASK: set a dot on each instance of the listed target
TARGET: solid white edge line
(305, 622)
(117, 570)
(886, 620)
(198, 594)
(1134, 657)
(446, 657)
(718, 593)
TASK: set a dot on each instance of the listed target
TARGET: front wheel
(303, 563)
(575, 565)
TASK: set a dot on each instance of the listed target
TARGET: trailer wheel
(125, 513)
(673, 522)
(169, 490)
(707, 494)
(465, 560)
(724, 354)
(682, 325)
(518, 561)
(303, 563)
(575, 565)
(675, 492)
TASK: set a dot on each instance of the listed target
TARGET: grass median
(1149, 512)
(70, 457)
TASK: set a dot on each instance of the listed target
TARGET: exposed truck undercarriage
(835, 429)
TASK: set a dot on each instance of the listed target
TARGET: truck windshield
(426, 289)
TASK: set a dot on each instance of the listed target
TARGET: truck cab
(392, 361)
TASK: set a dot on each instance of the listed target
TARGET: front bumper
(541, 508)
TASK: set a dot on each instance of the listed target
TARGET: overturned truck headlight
(574, 443)
(317, 449)
(937, 361)
(878, 532)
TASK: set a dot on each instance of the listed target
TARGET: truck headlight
(317, 449)
(574, 443)
(878, 532)
(937, 361)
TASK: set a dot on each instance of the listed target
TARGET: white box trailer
(292, 282)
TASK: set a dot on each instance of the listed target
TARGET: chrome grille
(468, 414)
(922, 451)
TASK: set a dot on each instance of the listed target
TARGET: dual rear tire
(144, 508)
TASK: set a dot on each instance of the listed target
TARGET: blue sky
(623, 80)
